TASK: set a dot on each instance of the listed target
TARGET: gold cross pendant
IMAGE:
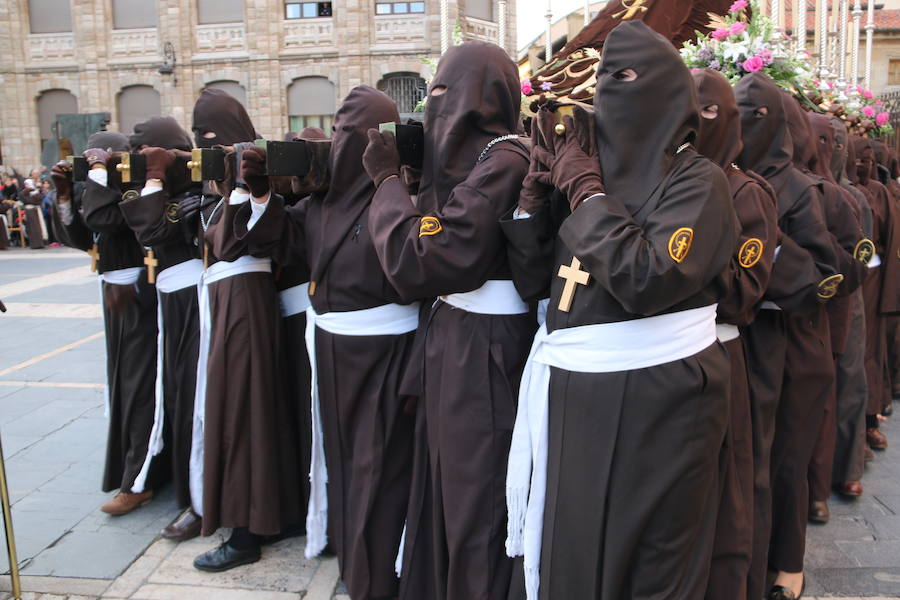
(573, 276)
(205, 256)
(94, 253)
(152, 263)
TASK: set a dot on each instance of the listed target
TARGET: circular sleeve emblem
(864, 250)
(828, 287)
(750, 253)
(429, 226)
(680, 244)
(172, 212)
(130, 195)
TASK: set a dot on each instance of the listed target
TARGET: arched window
(220, 11)
(136, 104)
(50, 16)
(232, 88)
(406, 89)
(480, 9)
(50, 104)
(133, 14)
(311, 103)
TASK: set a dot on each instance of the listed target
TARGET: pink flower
(737, 28)
(766, 55)
(868, 111)
(882, 118)
(738, 5)
(868, 94)
(720, 34)
(878, 103)
(546, 86)
(753, 64)
(526, 87)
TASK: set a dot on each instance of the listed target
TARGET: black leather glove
(253, 168)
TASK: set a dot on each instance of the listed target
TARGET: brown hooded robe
(367, 432)
(633, 455)
(719, 139)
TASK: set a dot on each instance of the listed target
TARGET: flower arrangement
(863, 114)
(739, 45)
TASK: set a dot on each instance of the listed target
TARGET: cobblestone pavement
(53, 433)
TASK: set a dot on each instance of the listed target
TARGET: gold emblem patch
(864, 251)
(829, 286)
(130, 195)
(750, 252)
(172, 212)
(430, 226)
(680, 243)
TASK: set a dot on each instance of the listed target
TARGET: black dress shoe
(782, 593)
(186, 527)
(888, 410)
(818, 511)
(225, 557)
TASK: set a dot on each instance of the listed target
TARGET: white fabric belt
(875, 261)
(603, 348)
(726, 332)
(495, 297)
(217, 272)
(294, 300)
(245, 264)
(769, 305)
(127, 276)
(180, 276)
(390, 319)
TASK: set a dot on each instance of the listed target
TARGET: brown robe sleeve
(459, 247)
(225, 245)
(279, 233)
(845, 229)
(146, 216)
(755, 256)
(640, 264)
(101, 208)
(75, 234)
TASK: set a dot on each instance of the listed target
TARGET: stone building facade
(289, 61)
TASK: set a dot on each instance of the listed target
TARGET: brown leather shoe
(849, 489)
(818, 511)
(876, 439)
(186, 527)
(868, 455)
(125, 502)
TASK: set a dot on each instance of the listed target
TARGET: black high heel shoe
(779, 592)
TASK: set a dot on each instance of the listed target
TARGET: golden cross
(749, 255)
(94, 253)
(151, 262)
(631, 9)
(573, 276)
(864, 254)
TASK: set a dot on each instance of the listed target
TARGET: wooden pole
(10, 536)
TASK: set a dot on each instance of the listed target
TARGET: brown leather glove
(572, 160)
(158, 161)
(61, 174)
(253, 168)
(97, 156)
(381, 158)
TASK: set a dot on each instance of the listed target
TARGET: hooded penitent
(161, 132)
(166, 133)
(111, 141)
(767, 142)
(804, 150)
(351, 188)
(480, 104)
(825, 144)
(217, 112)
(719, 138)
(637, 138)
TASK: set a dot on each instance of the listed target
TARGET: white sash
(603, 348)
(495, 297)
(127, 276)
(875, 261)
(726, 332)
(177, 277)
(217, 272)
(294, 300)
(390, 319)
(769, 305)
